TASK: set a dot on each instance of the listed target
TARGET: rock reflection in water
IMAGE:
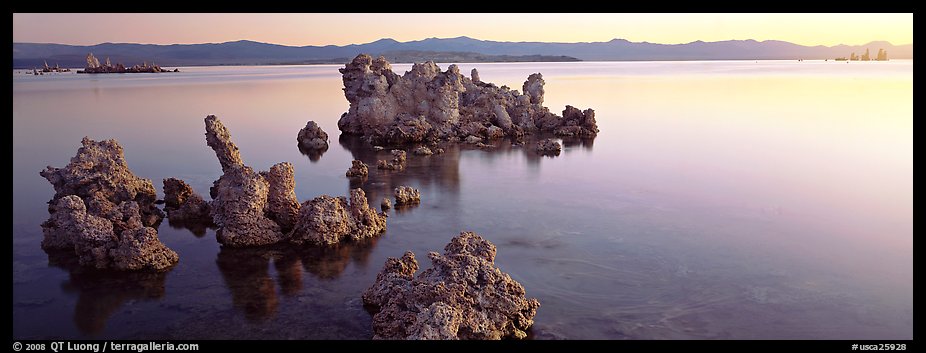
(197, 227)
(313, 154)
(100, 293)
(246, 272)
(441, 170)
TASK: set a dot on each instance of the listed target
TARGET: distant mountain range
(460, 49)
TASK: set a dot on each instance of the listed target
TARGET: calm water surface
(727, 199)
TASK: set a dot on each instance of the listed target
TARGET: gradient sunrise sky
(341, 29)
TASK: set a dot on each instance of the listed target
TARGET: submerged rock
(312, 137)
(104, 213)
(549, 147)
(327, 220)
(463, 296)
(397, 162)
(406, 195)
(426, 104)
(357, 169)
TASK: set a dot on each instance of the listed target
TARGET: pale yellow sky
(341, 29)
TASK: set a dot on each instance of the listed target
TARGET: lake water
(721, 200)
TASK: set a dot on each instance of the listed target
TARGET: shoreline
(517, 62)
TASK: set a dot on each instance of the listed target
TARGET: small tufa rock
(182, 204)
(577, 123)
(462, 296)
(357, 169)
(312, 137)
(549, 147)
(397, 162)
(405, 195)
(385, 204)
(423, 151)
(473, 139)
(326, 220)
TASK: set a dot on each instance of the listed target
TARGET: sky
(352, 28)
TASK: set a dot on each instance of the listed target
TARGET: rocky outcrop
(104, 213)
(256, 209)
(577, 123)
(219, 139)
(357, 169)
(406, 195)
(462, 296)
(242, 206)
(549, 147)
(282, 204)
(426, 104)
(94, 67)
(397, 163)
(96, 244)
(312, 137)
(140, 249)
(182, 204)
(238, 208)
(385, 204)
(99, 175)
(327, 220)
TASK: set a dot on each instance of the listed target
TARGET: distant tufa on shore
(94, 67)
(882, 56)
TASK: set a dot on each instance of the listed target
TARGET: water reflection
(246, 272)
(585, 142)
(101, 293)
(313, 154)
(196, 226)
(439, 170)
(738, 211)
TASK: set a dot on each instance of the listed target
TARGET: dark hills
(460, 49)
